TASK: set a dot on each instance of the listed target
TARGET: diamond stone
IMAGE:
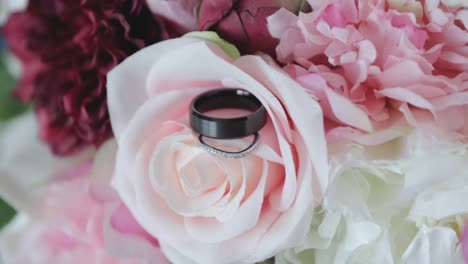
(230, 155)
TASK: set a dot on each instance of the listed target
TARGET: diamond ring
(228, 154)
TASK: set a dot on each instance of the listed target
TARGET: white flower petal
(9, 6)
(433, 246)
(26, 163)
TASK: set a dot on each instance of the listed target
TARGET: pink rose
(241, 22)
(201, 208)
(371, 65)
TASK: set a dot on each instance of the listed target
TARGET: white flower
(434, 245)
(408, 210)
(13, 65)
(455, 3)
(9, 6)
(26, 163)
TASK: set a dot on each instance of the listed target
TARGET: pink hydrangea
(374, 63)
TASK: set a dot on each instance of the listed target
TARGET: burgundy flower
(66, 48)
(241, 22)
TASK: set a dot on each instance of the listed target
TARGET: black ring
(227, 128)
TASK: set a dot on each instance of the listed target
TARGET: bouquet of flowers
(234, 131)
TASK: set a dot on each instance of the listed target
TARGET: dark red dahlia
(67, 47)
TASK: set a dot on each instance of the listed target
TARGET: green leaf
(10, 106)
(6, 213)
(230, 49)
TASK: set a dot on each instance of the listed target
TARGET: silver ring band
(227, 154)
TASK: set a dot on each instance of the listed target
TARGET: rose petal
(206, 75)
(166, 182)
(294, 97)
(246, 217)
(132, 73)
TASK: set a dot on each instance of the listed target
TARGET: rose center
(200, 175)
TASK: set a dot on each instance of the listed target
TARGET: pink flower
(68, 225)
(205, 209)
(464, 243)
(370, 64)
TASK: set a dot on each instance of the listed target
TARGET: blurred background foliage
(9, 108)
(6, 213)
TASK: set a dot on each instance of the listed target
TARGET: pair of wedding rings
(227, 128)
